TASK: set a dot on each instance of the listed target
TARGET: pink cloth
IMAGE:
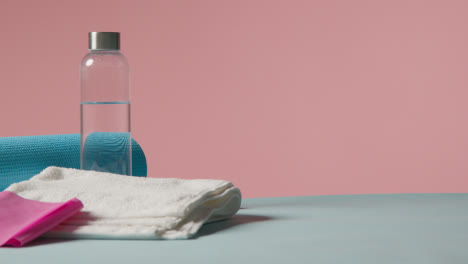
(22, 220)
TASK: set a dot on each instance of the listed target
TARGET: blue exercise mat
(23, 157)
(108, 152)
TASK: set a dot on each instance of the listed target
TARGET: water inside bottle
(105, 137)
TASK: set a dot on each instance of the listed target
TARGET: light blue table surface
(396, 228)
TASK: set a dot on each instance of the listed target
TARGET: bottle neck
(104, 51)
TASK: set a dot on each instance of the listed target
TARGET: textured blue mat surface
(23, 157)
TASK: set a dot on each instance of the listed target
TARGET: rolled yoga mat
(23, 157)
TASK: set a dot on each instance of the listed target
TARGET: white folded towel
(125, 207)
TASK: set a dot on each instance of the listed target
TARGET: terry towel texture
(126, 207)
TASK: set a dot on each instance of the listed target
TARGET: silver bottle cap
(104, 40)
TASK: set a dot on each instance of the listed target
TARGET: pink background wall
(280, 97)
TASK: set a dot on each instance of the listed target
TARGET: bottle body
(105, 112)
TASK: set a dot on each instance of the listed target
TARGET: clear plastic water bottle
(105, 106)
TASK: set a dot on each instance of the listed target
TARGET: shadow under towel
(126, 207)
